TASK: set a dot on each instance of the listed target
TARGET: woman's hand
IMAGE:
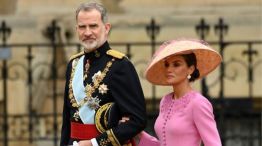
(123, 120)
(138, 136)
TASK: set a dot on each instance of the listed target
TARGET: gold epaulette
(115, 54)
(77, 55)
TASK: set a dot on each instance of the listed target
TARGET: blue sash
(86, 114)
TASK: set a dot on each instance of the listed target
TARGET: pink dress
(184, 122)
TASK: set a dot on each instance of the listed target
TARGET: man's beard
(90, 46)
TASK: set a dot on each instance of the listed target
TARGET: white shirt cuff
(94, 142)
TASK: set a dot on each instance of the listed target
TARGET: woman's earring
(188, 76)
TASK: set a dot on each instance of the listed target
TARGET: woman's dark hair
(191, 60)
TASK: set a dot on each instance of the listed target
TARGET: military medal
(103, 89)
(76, 116)
(93, 103)
(86, 72)
(97, 78)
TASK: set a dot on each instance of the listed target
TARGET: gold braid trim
(77, 55)
(88, 89)
(115, 54)
(129, 144)
(105, 117)
(112, 138)
(98, 116)
(71, 95)
(104, 142)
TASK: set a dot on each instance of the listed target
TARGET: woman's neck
(181, 89)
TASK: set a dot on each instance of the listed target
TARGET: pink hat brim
(207, 59)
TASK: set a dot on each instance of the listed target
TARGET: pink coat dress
(184, 122)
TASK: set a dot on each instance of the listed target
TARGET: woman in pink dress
(185, 117)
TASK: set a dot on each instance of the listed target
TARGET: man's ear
(107, 27)
(76, 27)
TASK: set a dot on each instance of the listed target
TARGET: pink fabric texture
(184, 122)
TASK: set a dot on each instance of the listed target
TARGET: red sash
(87, 132)
(83, 131)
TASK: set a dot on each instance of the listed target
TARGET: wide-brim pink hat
(207, 59)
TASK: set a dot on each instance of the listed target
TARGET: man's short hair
(93, 5)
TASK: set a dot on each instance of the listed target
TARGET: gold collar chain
(92, 102)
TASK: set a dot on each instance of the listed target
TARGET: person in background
(99, 81)
(185, 116)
